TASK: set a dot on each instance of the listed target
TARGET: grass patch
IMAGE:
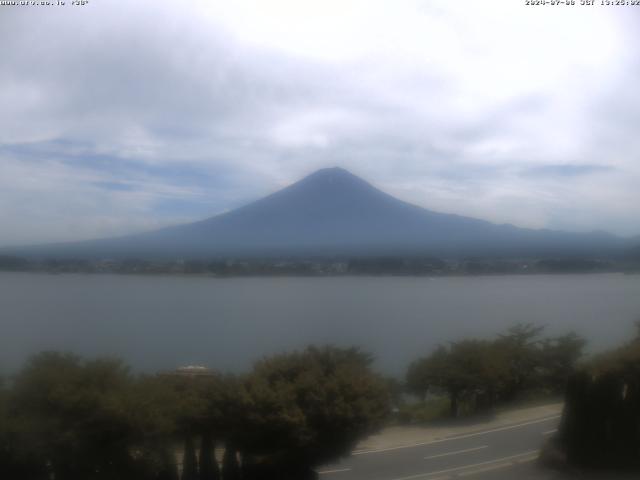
(423, 412)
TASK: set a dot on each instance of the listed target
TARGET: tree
(307, 408)
(207, 463)
(481, 366)
(72, 416)
(189, 460)
(521, 346)
(396, 390)
(417, 378)
(472, 372)
(174, 409)
(559, 357)
(600, 425)
(155, 410)
(13, 462)
(230, 465)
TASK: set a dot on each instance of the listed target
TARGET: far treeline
(392, 265)
(67, 418)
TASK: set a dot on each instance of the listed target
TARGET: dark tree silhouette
(230, 465)
(168, 469)
(601, 420)
(208, 465)
(189, 461)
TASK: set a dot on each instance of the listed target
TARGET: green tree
(72, 416)
(307, 408)
(469, 372)
(180, 409)
(417, 378)
(559, 358)
(521, 345)
(155, 411)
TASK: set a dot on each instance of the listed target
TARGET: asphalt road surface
(508, 452)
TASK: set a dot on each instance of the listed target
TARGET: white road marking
(457, 452)
(498, 461)
(337, 470)
(489, 468)
(549, 432)
(459, 437)
(525, 459)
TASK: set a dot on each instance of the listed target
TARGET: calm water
(163, 322)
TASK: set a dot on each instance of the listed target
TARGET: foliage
(601, 421)
(71, 417)
(469, 370)
(207, 465)
(189, 460)
(521, 345)
(559, 357)
(479, 373)
(429, 410)
(68, 418)
(310, 407)
(230, 465)
(418, 378)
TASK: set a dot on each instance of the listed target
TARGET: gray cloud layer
(122, 116)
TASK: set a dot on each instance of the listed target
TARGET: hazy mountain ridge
(332, 213)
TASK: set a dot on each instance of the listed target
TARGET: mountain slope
(332, 212)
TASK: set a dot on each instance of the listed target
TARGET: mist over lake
(156, 322)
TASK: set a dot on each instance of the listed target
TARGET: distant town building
(192, 371)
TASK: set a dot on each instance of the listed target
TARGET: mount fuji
(335, 213)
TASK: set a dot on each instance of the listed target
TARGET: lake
(156, 322)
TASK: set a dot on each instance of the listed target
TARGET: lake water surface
(158, 322)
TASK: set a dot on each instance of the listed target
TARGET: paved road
(500, 453)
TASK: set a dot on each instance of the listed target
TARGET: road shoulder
(396, 437)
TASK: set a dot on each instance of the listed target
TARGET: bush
(601, 421)
(307, 408)
(423, 412)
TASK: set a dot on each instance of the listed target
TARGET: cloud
(121, 116)
(567, 170)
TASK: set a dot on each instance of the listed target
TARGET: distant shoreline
(292, 275)
(326, 267)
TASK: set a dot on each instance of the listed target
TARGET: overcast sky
(121, 116)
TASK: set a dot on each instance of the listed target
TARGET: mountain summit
(335, 213)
